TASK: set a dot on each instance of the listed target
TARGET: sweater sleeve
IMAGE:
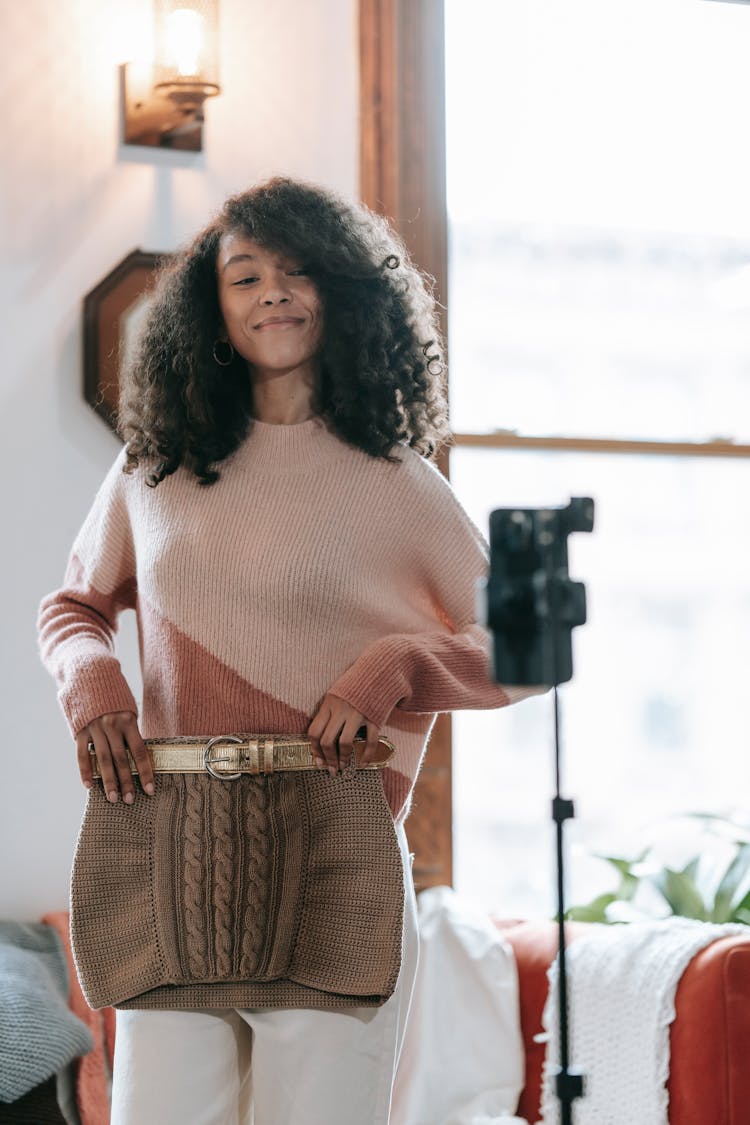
(77, 623)
(447, 668)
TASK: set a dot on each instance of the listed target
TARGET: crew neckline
(285, 425)
(290, 447)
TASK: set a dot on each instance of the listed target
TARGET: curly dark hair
(382, 379)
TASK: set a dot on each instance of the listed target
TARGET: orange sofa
(709, 1080)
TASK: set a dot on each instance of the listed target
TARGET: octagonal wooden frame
(105, 311)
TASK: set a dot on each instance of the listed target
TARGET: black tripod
(531, 609)
(568, 1081)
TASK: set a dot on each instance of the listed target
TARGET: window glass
(599, 230)
(565, 332)
(654, 721)
(599, 286)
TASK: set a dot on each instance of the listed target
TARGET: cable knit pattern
(195, 886)
(254, 901)
(308, 567)
(319, 905)
(224, 875)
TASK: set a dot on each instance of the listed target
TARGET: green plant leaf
(621, 863)
(680, 892)
(706, 888)
(593, 911)
(691, 867)
(731, 886)
(740, 908)
(629, 878)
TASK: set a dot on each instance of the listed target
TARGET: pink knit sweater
(308, 567)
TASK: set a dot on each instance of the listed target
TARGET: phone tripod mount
(531, 606)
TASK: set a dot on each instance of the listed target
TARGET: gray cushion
(38, 1032)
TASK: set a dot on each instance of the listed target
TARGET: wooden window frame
(403, 176)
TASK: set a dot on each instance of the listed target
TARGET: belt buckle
(209, 761)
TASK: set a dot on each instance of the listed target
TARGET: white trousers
(266, 1066)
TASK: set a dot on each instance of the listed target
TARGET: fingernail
(149, 787)
(332, 770)
(88, 784)
(128, 798)
(112, 796)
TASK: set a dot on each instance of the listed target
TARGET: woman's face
(272, 310)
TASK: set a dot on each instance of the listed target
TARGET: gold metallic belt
(229, 756)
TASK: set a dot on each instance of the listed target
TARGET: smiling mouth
(280, 324)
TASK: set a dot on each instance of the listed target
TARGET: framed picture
(113, 312)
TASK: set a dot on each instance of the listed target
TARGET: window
(599, 292)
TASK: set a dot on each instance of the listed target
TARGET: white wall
(72, 204)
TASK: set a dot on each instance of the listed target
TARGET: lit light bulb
(185, 40)
(164, 105)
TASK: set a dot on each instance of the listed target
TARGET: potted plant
(712, 885)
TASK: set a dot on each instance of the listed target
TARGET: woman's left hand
(332, 732)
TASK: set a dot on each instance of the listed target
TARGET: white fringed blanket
(622, 984)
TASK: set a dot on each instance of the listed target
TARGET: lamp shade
(186, 39)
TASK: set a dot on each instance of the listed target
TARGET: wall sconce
(164, 104)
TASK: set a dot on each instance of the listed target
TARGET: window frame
(403, 176)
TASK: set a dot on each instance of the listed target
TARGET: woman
(297, 565)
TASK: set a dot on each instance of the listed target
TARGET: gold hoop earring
(217, 358)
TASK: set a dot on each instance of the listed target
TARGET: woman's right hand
(110, 735)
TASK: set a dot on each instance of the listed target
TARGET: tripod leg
(569, 1083)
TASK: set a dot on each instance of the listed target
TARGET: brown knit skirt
(274, 891)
